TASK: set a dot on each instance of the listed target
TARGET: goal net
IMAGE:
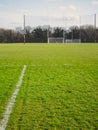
(73, 41)
(62, 40)
(55, 40)
(73, 29)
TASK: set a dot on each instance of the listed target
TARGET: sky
(38, 12)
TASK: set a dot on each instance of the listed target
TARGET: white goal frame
(56, 40)
(62, 40)
(72, 40)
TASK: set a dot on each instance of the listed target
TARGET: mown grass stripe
(46, 65)
(12, 101)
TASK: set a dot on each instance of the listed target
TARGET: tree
(39, 35)
(57, 32)
(87, 33)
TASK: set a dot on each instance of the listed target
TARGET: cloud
(68, 8)
(25, 11)
(72, 7)
(95, 2)
(62, 8)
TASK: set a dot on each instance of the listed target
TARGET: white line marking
(50, 65)
(37, 65)
(12, 101)
(10, 65)
(66, 64)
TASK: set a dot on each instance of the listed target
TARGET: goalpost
(74, 29)
(88, 28)
(55, 40)
(81, 30)
(69, 25)
(55, 33)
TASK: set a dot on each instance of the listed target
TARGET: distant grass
(60, 87)
(51, 54)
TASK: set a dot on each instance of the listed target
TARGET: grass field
(59, 89)
(8, 80)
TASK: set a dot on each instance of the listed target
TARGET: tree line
(86, 33)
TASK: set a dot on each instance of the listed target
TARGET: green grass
(49, 54)
(8, 79)
(60, 86)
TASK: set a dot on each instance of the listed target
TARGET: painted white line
(11, 65)
(66, 64)
(50, 65)
(12, 101)
(37, 65)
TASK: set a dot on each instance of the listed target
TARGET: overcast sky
(12, 11)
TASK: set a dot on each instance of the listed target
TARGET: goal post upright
(80, 28)
(24, 29)
(95, 25)
(63, 30)
(63, 36)
(48, 35)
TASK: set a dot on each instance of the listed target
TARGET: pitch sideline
(12, 101)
